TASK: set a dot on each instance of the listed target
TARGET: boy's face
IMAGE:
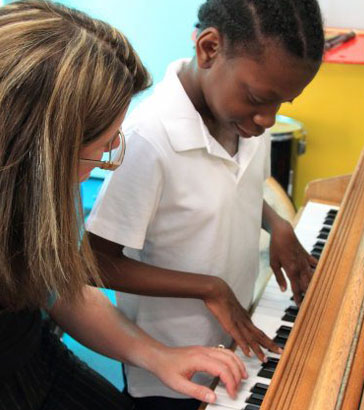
(243, 94)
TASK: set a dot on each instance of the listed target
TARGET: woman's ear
(208, 46)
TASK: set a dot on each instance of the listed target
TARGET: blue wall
(159, 30)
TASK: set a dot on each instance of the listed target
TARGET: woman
(66, 81)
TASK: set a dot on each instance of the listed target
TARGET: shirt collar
(184, 125)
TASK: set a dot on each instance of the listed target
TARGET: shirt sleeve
(129, 196)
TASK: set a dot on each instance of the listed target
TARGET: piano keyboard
(276, 313)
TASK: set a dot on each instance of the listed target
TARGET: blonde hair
(64, 78)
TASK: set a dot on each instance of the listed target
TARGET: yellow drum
(288, 141)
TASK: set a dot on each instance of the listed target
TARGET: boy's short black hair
(295, 24)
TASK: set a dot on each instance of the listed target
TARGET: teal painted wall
(159, 30)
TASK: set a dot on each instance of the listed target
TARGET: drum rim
(282, 136)
(287, 135)
(286, 119)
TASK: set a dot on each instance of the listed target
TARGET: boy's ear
(208, 46)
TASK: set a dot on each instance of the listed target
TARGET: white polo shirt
(179, 201)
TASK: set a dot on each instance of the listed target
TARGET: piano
(322, 365)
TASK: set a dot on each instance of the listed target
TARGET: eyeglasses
(115, 159)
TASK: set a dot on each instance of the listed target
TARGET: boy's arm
(127, 275)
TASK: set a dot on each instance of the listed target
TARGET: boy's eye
(255, 100)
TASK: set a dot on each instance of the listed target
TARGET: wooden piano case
(322, 367)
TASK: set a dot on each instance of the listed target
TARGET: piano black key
(330, 215)
(259, 388)
(329, 221)
(280, 341)
(266, 373)
(316, 255)
(292, 310)
(288, 318)
(268, 368)
(251, 407)
(319, 244)
(323, 236)
(270, 364)
(284, 331)
(325, 229)
(317, 250)
(255, 399)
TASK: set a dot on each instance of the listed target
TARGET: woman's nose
(113, 144)
(116, 142)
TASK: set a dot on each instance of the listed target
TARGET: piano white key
(217, 407)
(273, 288)
(277, 305)
(251, 362)
(224, 400)
(268, 324)
(311, 222)
(248, 384)
(254, 366)
(252, 381)
(269, 313)
(313, 216)
(277, 297)
(244, 391)
(272, 285)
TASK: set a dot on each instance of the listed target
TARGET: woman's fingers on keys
(232, 360)
(224, 371)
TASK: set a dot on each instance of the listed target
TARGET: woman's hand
(236, 321)
(286, 253)
(96, 323)
(176, 366)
